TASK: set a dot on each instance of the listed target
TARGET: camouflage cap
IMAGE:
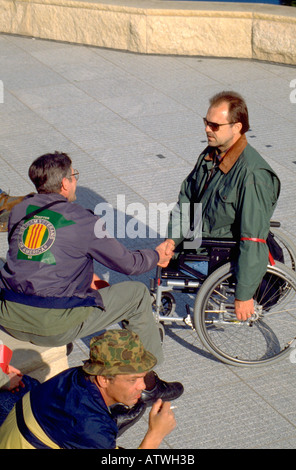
(118, 352)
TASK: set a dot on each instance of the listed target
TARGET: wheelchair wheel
(288, 247)
(168, 304)
(264, 338)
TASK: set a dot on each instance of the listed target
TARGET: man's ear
(65, 187)
(237, 127)
(102, 381)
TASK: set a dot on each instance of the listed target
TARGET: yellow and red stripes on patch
(35, 236)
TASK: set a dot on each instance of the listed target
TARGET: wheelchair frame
(220, 253)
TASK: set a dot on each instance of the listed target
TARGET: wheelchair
(266, 337)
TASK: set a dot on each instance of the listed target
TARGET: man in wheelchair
(236, 191)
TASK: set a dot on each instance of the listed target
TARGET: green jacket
(238, 202)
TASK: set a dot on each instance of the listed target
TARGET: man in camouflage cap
(118, 352)
(75, 409)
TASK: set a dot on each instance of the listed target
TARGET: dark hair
(237, 108)
(48, 171)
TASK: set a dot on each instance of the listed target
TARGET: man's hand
(244, 309)
(165, 252)
(169, 245)
(161, 423)
(15, 379)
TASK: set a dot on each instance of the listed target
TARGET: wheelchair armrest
(218, 243)
(274, 223)
(220, 251)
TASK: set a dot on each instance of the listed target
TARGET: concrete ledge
(253, 31)
(38, 362)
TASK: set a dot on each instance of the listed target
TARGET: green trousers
(127, 302)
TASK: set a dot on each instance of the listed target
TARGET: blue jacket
(65, 412)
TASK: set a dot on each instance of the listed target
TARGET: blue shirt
(71, 411)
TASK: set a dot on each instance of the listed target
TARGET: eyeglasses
(75, 174)
(214, 126)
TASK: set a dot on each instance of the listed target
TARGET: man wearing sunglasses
(238, 191)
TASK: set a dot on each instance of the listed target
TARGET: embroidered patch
(36, 236)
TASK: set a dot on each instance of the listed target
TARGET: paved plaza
(132, 125)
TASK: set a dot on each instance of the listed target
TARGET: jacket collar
(232, 154)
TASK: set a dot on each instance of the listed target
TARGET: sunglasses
(214, 126)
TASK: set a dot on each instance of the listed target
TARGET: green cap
(118, 352)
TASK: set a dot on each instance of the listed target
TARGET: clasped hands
(165, 251)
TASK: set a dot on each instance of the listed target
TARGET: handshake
(165, 251)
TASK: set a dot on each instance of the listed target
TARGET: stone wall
(258, 31)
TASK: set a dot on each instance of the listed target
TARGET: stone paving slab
(133, 126)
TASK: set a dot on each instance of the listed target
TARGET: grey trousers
(126, 301)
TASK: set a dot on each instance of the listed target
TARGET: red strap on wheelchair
(261, 240)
